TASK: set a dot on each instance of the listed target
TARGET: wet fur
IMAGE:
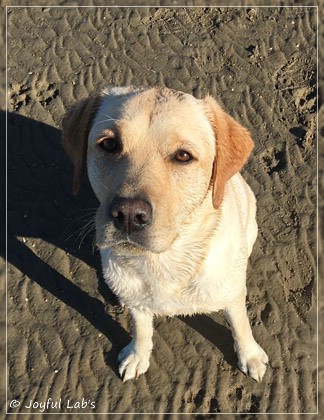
(193, 256)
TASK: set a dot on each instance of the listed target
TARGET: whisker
(85, 217)
(91, 210)
(79, 230)
(88, 228)
(94, 246)
(89, 218)
(109, 118)
(103, 121)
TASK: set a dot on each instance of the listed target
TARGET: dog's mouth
(129, 246)
(125, 245)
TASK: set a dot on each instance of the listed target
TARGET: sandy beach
(65, 328)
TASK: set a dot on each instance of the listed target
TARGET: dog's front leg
(135, 356)
(252, 358)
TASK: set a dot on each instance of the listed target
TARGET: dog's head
(153, 156)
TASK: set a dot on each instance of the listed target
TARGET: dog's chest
(164, 290)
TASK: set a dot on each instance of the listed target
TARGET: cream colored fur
(192, 257)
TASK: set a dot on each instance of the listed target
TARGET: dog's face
(147, 168)
(152, 157)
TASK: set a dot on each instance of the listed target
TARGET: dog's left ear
(76, 125)
(233, 147)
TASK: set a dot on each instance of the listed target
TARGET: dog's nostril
(141, 218)
(115, 214)
(119, 215)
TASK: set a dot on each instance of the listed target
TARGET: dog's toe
(133, 363)
(253, 361)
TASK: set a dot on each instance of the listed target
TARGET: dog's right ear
(76, 125)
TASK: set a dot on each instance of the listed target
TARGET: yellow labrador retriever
(176, 222)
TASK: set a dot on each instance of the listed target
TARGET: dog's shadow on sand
(40, 205)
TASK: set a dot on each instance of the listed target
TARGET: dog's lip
(129, 243)
(126, 244)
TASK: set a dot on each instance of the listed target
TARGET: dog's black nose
(130, 214)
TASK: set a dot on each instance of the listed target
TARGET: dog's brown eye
(183, 156)
(110, 144)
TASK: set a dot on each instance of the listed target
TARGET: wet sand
(63, 334)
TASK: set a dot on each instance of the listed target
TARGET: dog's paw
(133, 362)
(252, 361)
